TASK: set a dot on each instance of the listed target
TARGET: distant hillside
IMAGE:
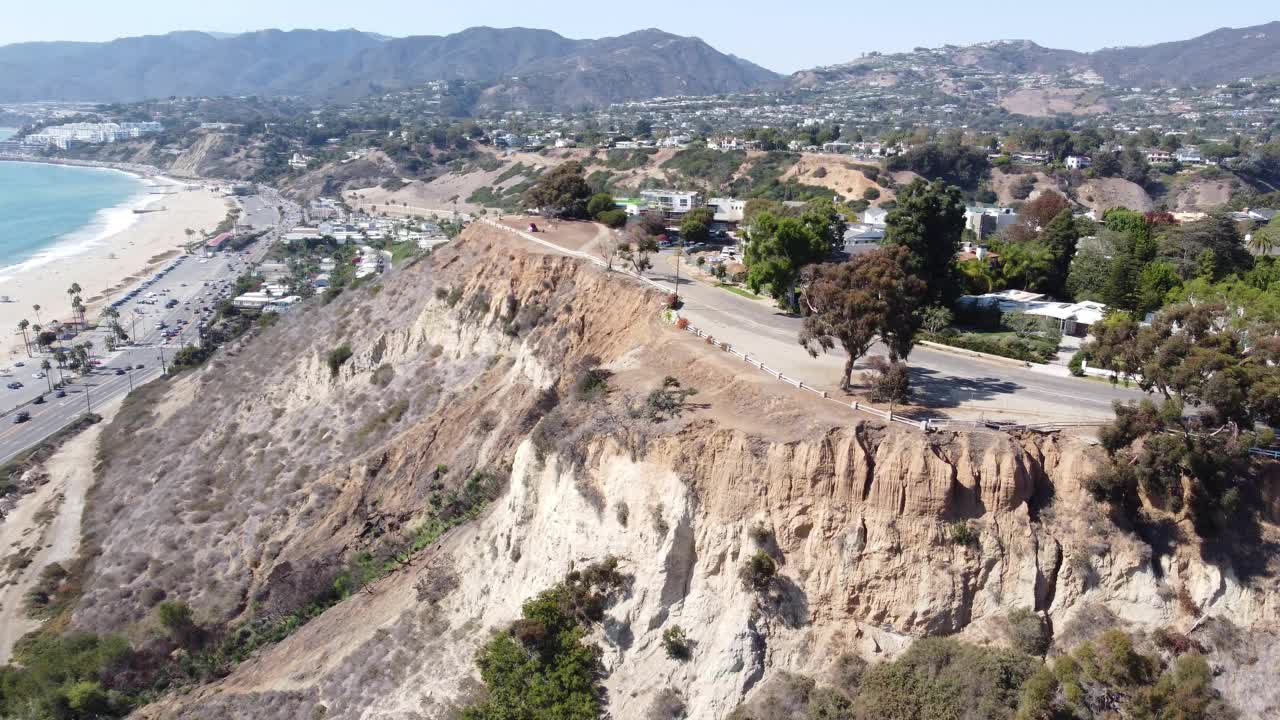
(523, 67)
(1220, 56)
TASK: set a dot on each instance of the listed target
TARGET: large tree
(562, 192)
(695, 228)
(854, 302)
(778, 248)
(1060, 236)
(928, 221)
(1186, 245)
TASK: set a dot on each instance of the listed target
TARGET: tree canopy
(852, 303)
(929, 221)
(563, 192)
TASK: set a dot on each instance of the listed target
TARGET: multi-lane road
(196, 283)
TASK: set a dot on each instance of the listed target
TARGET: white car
(38, 376)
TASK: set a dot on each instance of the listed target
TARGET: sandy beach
(109, 266)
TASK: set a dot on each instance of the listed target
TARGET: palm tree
(35, 330)
(36, 307)
(1262, 241)
(73, 292)
(23, 325)
(46, 366)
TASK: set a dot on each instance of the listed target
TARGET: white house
(1078, 162)
(672, 202)
(875, 216)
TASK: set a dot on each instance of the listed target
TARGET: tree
(696, 226)
(1029, 264)
(777, 250)
(1185, 245)
(937, 318)
(73, 293)
(608, 249)
(1087, 274)
(1060, 236)
(851, 303)
(599, 203)
(928, 221)
(46, 366)
(26, 341)
(637, 252)
(561, 193)
(36, 308)
(1263, 241)
(1038, 213)
(613, 219)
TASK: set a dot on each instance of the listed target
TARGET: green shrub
(542, 666)
(337, 357)
(758, 572)
(961, 533)
(1027, 632)
(676, 643)
(1076, 364)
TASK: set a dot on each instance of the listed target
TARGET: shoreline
(106, 223)
(111, 258)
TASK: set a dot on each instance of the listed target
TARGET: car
(119, 371)
(19, 364)
(38, 401)
(38, 376)
(60, 394)
(21, 417)
(14, 385)
(139, 366)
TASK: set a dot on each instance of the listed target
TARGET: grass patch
(744, 292)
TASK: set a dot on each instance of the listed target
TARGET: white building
(1078, 162)
(672, 202)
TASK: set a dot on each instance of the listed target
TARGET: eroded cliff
(471, 360)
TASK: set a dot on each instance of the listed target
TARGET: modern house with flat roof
(672, 202)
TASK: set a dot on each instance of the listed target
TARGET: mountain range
(1224, 55)
(521, 67)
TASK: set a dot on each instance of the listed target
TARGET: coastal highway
(196, 283)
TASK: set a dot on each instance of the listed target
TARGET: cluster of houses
(330, 220)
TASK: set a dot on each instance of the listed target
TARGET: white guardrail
(855, 405)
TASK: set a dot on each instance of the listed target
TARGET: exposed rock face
(864, 521)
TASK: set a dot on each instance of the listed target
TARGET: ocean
(52, 211)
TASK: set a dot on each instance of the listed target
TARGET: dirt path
(46, 524)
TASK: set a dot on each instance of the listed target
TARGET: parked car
(14, 385)
(60, 394)
(38, 401)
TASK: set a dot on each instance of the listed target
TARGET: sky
(775, 34)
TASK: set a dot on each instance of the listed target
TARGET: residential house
(673, 203)
(1189, 155)
(1073, 318)
(987, 221)
(875, 216)
(862, 238)
(836, 147)
(1078, 162)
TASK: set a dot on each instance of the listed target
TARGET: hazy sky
(780, 35)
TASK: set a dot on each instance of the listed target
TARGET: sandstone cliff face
(862, 519)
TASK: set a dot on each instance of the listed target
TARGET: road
(196, 283)
(961, 385)
(958, 385)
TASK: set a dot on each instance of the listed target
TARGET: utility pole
(88, 405)
(163, 369)
(129, 374)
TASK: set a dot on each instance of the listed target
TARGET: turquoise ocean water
(51, 211)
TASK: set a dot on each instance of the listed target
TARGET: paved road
(962, 385)
(196, 283)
